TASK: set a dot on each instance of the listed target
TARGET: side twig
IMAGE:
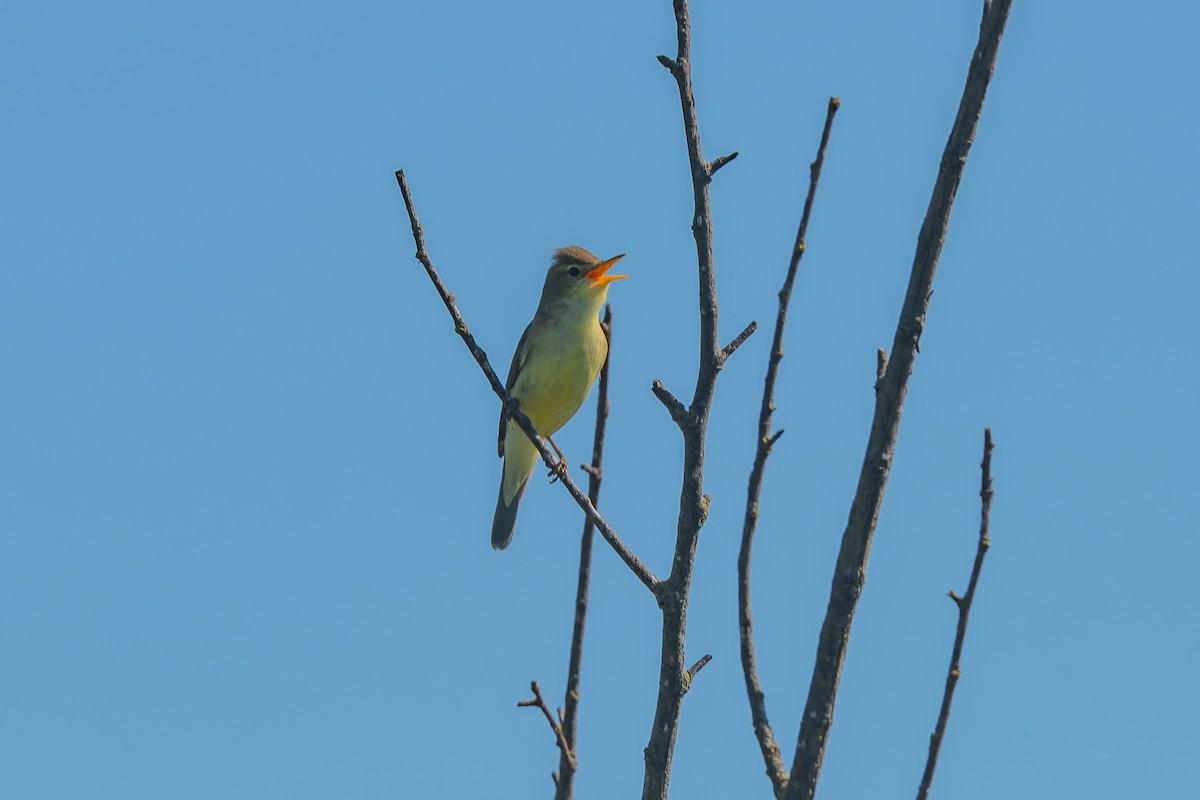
(850, 569)
(460, 327)
(568, 765)
(559, 736)
(700, 664)
(964, 610)
(758, 711)
(676, 409)
(738, 341)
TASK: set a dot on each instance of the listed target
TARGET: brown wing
(514, 370)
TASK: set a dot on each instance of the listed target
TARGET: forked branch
(555, 727)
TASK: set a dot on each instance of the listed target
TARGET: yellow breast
(555, 378)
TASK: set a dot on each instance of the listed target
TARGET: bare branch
(737, 342)
(850, 570)
(676, 409)
(538, 702)
(758, 710)
(460, 327)
(964, 609)
(567, 766)
(693, 504)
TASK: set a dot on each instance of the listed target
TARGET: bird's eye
(573, 272)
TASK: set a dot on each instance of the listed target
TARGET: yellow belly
(552, 385)
(557, 376)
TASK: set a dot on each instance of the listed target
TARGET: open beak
(596, 274)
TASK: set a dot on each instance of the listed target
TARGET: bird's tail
(520, 456)
(505, 518)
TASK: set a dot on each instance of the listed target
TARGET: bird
(556, 361)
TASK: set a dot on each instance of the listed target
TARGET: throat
(574, 311)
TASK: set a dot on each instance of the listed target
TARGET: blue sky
(247, 470)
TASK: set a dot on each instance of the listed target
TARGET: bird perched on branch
(559, 356)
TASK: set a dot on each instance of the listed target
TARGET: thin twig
(538, 702)
(850, 570)
(460, 327)
(567, 766)
(766, 440)
(693, 504)
(964, 610)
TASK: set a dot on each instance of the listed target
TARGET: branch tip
(738, 341)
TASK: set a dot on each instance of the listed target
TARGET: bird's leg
(560, 468)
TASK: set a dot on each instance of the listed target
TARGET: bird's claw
(557, 472)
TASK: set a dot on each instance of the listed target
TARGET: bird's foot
(557, 472)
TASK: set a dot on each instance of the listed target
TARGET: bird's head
(578, 278)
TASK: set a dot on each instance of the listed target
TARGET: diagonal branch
(850, 570)
(964, 610)
(460, 327)
(676, 409)
(568, 765)
(758, 710)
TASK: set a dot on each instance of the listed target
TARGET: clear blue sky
(247, 470)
